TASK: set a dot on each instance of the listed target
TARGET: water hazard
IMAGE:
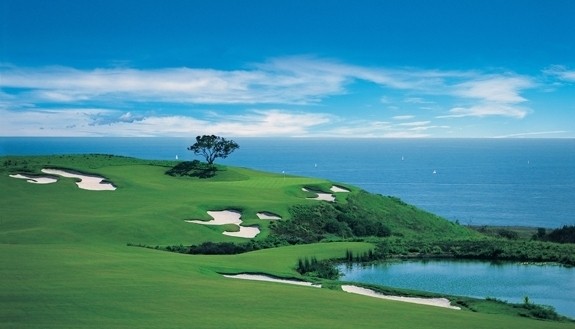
(544, 284)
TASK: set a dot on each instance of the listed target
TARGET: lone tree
(212, 147)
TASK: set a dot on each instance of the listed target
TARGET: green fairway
(65, 260)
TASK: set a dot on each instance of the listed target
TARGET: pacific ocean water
(507, 182)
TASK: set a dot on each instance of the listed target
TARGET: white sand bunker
(270, 279)
(439, 302)
(221, 218)
(229, 217)
(93, 183)
(86, 182)
(339, 189)
(321, 196)
(268, 216)
(327, 196)
(36, 180)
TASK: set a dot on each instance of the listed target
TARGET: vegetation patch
(321, 269)
(565, 234)
(485, 249)
(193, 169)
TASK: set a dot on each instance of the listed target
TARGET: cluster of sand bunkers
(233, 217)
(224, 217)
(438, 302)
(85, 182)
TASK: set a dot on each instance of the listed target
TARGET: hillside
(66, 264)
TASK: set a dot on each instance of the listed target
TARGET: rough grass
(64, 262)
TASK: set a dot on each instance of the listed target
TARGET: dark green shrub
(320, 269)
(566, 234)
(193, 169)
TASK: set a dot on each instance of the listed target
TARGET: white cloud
(403, 117)
(290, 80)
(501, 89)
(102, 122)
(368, 130)
(561, 72)
(383, 129)
(424, 128)
(84, 98)
(404, 134)
(489, 109)
(51, 122)
(417, 100)
(495, 96)
(531, 134)
(415, 124)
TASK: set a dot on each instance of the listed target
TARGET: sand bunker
(327, 196)
(268, 216)
(321, 196)
(86, 182)
(247, 232)
(339, 189)
(270, 279)
(439, 302)
(36, 180)
(221, 218)
(93, 183)
(229, 217)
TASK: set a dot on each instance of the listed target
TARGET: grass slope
(64, 262)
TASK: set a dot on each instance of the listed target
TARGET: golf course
(83, 245)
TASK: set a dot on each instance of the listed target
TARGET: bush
(193, 169)
(566, 234)
(315, 268)
(312, 223)
(508, 234)
(221, 248)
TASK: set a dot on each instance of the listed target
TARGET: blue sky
(425, 68)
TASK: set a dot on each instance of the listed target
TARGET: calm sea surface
(528, 182)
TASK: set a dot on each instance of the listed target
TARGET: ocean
(506, 182)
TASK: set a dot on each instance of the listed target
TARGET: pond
(543, 284)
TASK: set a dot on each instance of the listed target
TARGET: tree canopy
(212, 147)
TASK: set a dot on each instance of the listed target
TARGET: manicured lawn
(65, 263)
